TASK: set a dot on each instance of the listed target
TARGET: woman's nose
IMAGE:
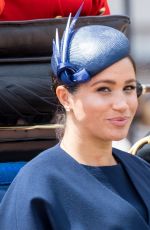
(120, 103)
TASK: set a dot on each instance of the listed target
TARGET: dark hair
(133, 63)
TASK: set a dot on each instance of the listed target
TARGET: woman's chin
(119, 136)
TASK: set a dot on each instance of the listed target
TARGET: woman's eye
(104, 89)
(130, 88)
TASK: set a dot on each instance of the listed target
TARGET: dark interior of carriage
(27, 102)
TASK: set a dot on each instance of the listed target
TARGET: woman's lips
(119, 121)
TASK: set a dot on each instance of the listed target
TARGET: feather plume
(68, 31)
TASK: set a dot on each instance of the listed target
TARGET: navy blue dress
(53, 191)
(116, 178)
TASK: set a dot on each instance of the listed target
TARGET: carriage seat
(8, 171)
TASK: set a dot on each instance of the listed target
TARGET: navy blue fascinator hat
(84, 52)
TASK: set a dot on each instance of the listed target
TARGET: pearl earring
(67, 109)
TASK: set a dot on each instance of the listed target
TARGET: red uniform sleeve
(36, 9)
(90, 7)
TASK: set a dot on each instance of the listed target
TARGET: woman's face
(105, 106)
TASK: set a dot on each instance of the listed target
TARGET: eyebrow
(113, 82)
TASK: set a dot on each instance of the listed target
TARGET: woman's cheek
(134, 104)
(79, 111)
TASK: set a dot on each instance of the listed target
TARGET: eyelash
(103, 89)
(128, 88)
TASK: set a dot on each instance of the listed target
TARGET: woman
(82, 183)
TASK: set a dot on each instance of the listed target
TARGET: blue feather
(65, 41)
(67, 34)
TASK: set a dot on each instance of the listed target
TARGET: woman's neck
(88, 151)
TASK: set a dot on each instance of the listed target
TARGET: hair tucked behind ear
(60, 114)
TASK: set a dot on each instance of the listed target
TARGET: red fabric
(35, 9)
(2, 4)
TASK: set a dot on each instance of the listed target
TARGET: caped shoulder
(129, 157)
(46, 161)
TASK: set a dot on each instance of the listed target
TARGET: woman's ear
(63, 96)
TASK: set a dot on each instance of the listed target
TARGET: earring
(67, 109)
